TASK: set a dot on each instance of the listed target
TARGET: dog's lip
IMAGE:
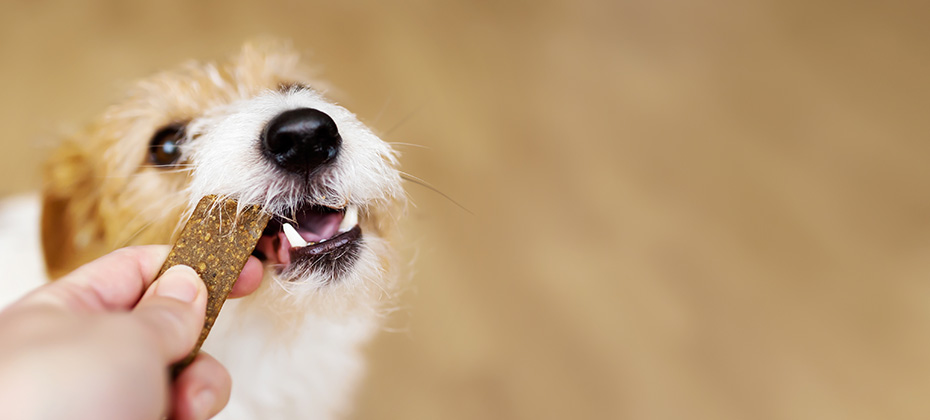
(318, 229)
(330, 245)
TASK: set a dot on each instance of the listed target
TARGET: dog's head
(252, 128)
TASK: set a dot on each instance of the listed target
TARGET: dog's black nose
(300, 140)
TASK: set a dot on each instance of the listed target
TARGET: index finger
(118, 279)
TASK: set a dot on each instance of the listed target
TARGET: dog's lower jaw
(304, 368)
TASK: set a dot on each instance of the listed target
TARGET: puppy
(253, 128)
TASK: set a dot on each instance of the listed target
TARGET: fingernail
(178, 282)
(202, 403)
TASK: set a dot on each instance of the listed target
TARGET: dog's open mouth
(317, 238)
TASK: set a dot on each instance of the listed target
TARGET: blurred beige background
(682, 209)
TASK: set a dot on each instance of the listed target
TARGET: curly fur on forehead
(196, 86)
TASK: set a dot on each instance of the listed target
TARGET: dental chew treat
(216, 244)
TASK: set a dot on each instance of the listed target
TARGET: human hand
(87, 347)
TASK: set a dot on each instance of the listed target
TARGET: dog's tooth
(350, 219)
(293, 237)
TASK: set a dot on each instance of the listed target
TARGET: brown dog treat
(216, 244)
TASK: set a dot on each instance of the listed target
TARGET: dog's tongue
(315, 227)
(312, 227)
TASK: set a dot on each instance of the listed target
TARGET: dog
(257, 128)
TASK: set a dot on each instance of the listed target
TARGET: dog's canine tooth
(293, 237)
(350, 219)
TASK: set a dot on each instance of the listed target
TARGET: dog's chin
(312, 242)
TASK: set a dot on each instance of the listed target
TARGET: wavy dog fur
(292, 347)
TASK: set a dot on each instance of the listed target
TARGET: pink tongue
(316, 227)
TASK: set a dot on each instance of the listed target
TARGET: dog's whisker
(381, 111)
(165, 212)
(406, 118)
(407, 177)
(384, 291)
(137, 232)
(172, 168)
(140, 174)
(409, 200)
(420, 146)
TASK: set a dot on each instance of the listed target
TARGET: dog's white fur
(363, 174)
(20, 251)
(293, 346)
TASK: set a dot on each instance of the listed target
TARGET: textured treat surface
(216, 244)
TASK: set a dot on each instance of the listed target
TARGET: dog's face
(253, 129)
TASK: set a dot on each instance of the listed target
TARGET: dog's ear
(67, 226)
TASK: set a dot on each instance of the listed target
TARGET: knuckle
(127, 252)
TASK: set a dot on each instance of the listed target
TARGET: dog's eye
(165, 146)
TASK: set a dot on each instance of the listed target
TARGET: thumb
(172, 310)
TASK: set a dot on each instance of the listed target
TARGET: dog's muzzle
(312, 237)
